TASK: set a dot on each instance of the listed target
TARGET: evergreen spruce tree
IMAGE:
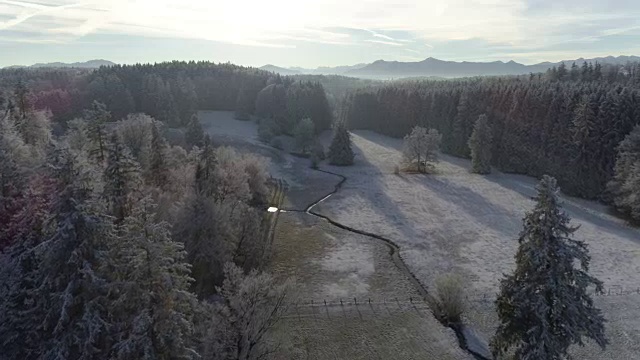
(21, 96)
(71, 306)
(158, 173)
(155, 308)
(205, 169)
(544, 306)
(244, 105)
(194, 135)
(96, 117)
(624, 187)
(304, 134)
(122, 181)
(20, 305)
(14, 154)
(460, 133)
(480, 145)
(340, 152)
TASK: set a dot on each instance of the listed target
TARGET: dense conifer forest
(120, 242)
(566, 123)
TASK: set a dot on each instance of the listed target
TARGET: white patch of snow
(354, 263)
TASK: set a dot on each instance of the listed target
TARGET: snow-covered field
(455, 221)
(332, 264)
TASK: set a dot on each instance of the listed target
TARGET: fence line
(416, 300)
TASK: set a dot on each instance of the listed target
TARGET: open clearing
(332, 264)
(460, 222)
(453, 221)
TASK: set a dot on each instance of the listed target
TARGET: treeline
(567, 129)
(285, 103)
(589, 71)
(117, 245)
(171, 92)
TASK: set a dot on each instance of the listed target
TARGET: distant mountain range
(322, 70)
(280, 70)
(91, 64)
(431, 67)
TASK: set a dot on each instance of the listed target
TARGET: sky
(312, 33)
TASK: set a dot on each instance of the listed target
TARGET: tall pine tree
(158, 173)
(155, 308)
(122, 181)
(625, 186)
(544, 306)
(96, 117)
(340, 152)
(480, 146)
(71, 308)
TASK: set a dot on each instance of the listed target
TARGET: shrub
(304, 134)
(277, 143)
(318, 151)
(447, 304)
(241, 115)
(267, 129)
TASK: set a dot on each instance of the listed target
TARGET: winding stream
(466, 337)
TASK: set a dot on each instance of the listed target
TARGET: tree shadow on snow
(370, 178)
(589, 212)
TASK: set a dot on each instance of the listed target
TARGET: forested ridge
(116, 244)
(566, 123)
(170, 92)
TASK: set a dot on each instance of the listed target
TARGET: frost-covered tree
(340, 152)
(96, 118)
(122, 180)
(258, 174)
(64, 312)
(77, 135)
(15, 162)
(194, 135)
(18, 271)
(158, 173)
(35, 129)
(624, 187)
(268, 129)
(304, 134)
(480, 146)
(154, 311)
(420, 148)
(244, 104)
(206, 230)
(206, 165)
(136, 133)
(544, 306)
(230, 178)
(21, 96)
(253, 304)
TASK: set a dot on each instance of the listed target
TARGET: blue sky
(315, 33)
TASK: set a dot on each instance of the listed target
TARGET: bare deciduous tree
(421, 149)
(253, 304)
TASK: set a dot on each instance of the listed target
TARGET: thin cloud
(40, 10)
(391, 43)
(427, 22)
